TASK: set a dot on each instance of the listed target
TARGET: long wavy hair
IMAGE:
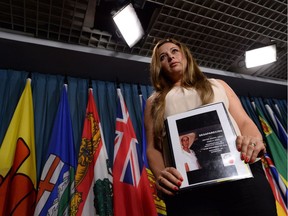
(192, 78)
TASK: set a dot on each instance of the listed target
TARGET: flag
(269, 168)
(282, 134)
(277, 150)
(18, 177)
(277, 178)
(57, 178)
(93, 180)
(279, 156)
(271, 117)
(159, 203)
(281, 111)
(280, 131)
(144, 143)
(130, 181)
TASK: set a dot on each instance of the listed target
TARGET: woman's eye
(162, 57)
(174, 50)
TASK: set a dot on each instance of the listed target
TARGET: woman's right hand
(169, 181)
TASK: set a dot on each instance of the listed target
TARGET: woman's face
(172, 60)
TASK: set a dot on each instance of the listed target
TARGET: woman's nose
(170, 56)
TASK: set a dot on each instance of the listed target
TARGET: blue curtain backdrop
(46, 91)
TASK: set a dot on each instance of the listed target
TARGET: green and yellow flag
(278, 153)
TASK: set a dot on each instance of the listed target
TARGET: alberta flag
(93, 180)
(132, 193)
(57, 178)
(18, 160)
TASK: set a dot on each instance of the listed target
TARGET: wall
(34, 55)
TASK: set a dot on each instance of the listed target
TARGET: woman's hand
(169, 181)
(250, 148)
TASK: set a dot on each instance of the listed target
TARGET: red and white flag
(131, 189)
(93, 180)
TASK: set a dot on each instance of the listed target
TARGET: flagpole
(140, 96)
(66, 83)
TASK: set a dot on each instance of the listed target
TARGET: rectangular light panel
(260, 56)
(129, 25)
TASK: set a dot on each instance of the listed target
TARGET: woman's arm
(168, 179)
(250, 142)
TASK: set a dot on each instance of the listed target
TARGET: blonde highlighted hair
(192, 78)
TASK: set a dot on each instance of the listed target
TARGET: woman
(179, 86)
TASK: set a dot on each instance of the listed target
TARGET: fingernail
(179, 183)
(242, 156)
(252, 161)
(181, 179)
(247, 159)
(176, 188)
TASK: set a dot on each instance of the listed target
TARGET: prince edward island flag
(93, 181)
(57, 178)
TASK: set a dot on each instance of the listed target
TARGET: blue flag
(282, 134)
(159, 203)
(143, 103)
(56, 184)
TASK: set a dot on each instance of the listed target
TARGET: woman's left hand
(250, 148)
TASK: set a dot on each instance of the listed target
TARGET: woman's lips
(173, 64)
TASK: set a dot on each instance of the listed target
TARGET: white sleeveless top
(180, 99)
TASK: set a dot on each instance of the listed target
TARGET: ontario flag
(56, 183)
(93, 180)
(18, 160)
(132, 193)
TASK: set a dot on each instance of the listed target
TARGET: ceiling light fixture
(129, 25)
(260, 56)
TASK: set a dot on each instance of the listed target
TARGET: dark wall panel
(44, 59)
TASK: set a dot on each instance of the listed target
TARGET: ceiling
(217, 32)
